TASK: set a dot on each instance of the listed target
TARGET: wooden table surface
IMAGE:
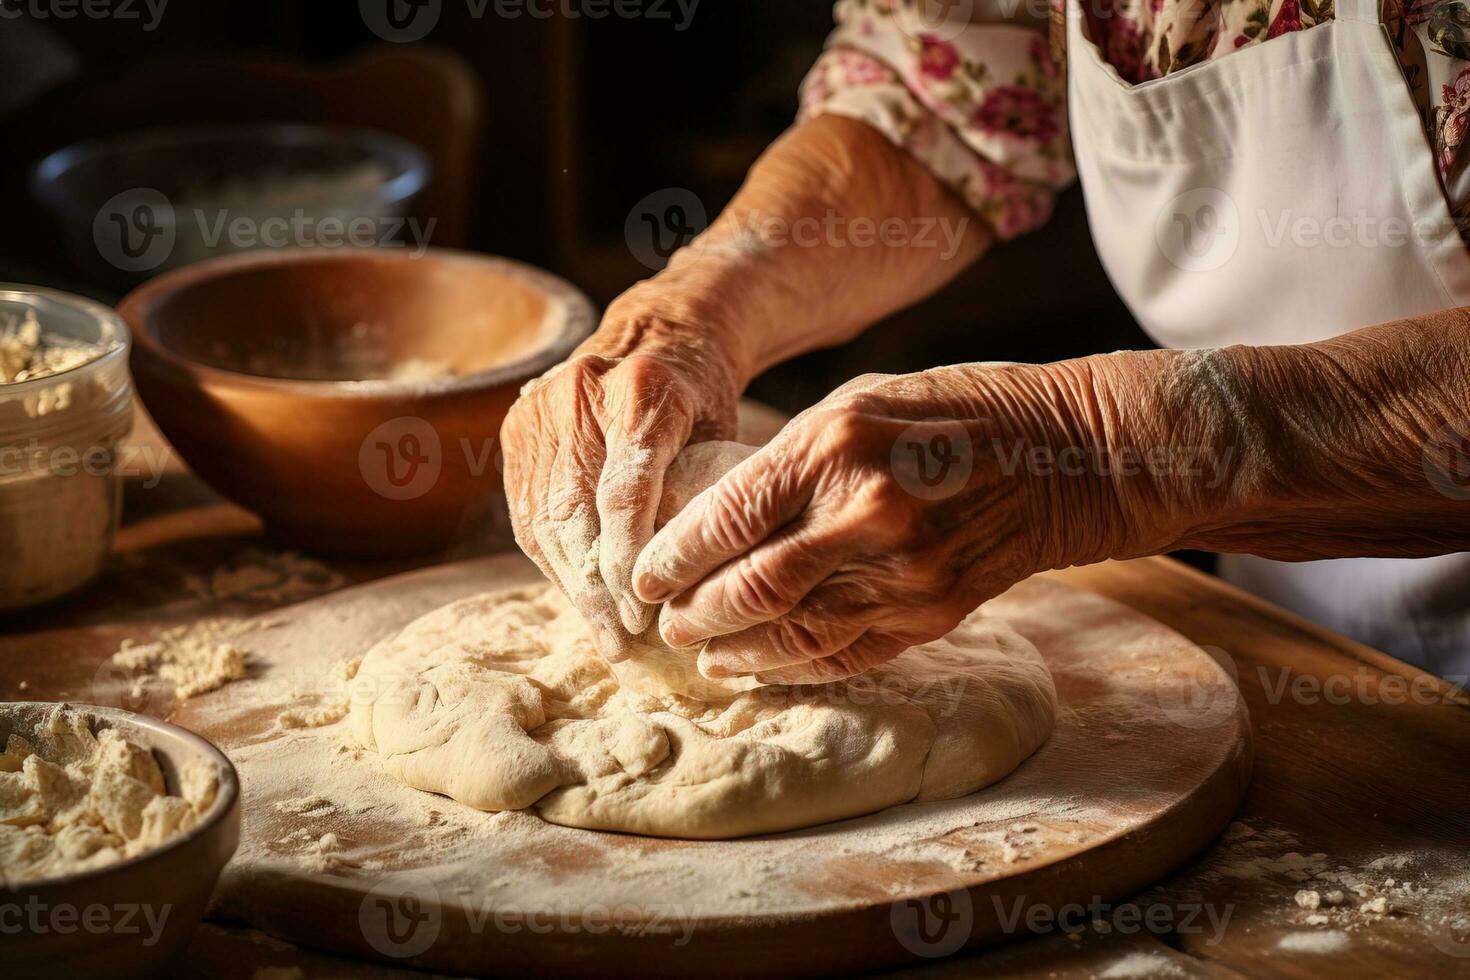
(1362, 775)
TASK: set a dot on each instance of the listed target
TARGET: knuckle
(586, 367)
(646, 371)
(866, 655)
(733, 518)
(624, 491)
(851, 426)
(754, 594)
(844, 430)
(798, 640)
(574, 373)
(878, 503)
(652, 396)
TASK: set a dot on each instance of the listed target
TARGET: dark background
(581, 118)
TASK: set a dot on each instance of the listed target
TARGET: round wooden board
(1150, 757)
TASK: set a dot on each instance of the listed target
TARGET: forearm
(1348, 427)
(1333, 449)
(834, 229)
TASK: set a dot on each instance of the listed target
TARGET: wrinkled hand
(875, 521)
(586, 447)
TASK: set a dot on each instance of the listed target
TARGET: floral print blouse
(983, 104)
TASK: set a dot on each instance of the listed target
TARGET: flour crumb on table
(1141, 965)
(306, 806)
(195, 658)
(1331, 941)
(323, 708)
(1426, 892)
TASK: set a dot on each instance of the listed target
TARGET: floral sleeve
(981, 105)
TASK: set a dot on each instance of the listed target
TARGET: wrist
(1080, 439)
(666, 324)
(1181, 442)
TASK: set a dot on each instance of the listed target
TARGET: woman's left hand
(882, 516)
(876, 520)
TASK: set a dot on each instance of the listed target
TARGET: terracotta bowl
(351, 398)
(132, 918)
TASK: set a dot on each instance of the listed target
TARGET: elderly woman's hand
(586, 447)
(882, 516)
(878, 520)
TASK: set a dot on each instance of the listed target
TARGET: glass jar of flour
(66, 403)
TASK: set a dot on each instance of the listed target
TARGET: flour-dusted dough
(501, 702)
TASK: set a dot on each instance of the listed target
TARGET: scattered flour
(207, 654)
(1391, 862)
(325, 708)
(196, 658)
(72, 800)
(1140, 965)
(1292, 865)
(1431, 887)
(1331, 941)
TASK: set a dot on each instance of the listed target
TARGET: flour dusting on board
(206, 654)
(317, 805)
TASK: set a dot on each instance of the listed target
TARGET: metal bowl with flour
(130, 917)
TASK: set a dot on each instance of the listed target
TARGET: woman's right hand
(587, 445)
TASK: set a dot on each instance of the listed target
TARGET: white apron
(1283, 194)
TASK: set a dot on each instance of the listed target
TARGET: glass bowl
(59, 443)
